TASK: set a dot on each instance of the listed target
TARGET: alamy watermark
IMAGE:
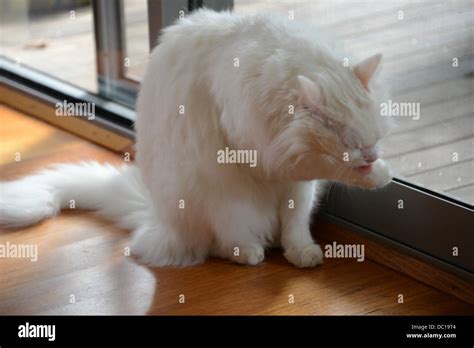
(345, 251)
(37, 331)
(76, 109)
(237, 156)
(23, 251)
(400, 109)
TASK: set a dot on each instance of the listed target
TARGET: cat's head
(336, 126)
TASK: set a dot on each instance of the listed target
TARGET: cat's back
(202, 25)
(220, 27)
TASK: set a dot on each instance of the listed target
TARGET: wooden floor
(418, 44)
(81, 258)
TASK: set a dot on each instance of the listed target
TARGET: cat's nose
(371, 159)
(370, 154)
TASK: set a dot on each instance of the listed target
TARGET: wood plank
(420, 13)
(439, 92)
(359, 26)
(428, 75)
(465, 193)
(430, 136)
(401, 38)
(432, 158)
(426, 55)
(453, 176)
(335, 13)
(435, 113)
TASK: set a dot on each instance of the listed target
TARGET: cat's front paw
(307, 256)
(248, 255)
(380, 175)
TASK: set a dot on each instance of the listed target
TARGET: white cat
(217, 81)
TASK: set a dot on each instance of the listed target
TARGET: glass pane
(122, 41)
(428, 65)
(54, 37)
(136, 37)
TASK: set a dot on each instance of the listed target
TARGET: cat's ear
(366, 69)
(309, 92)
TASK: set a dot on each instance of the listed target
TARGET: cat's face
(337, 121)
(346, 112)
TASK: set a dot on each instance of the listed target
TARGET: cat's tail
(115, 192)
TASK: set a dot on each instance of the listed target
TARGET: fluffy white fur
(231, 211)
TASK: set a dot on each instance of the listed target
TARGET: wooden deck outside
(419, 40)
